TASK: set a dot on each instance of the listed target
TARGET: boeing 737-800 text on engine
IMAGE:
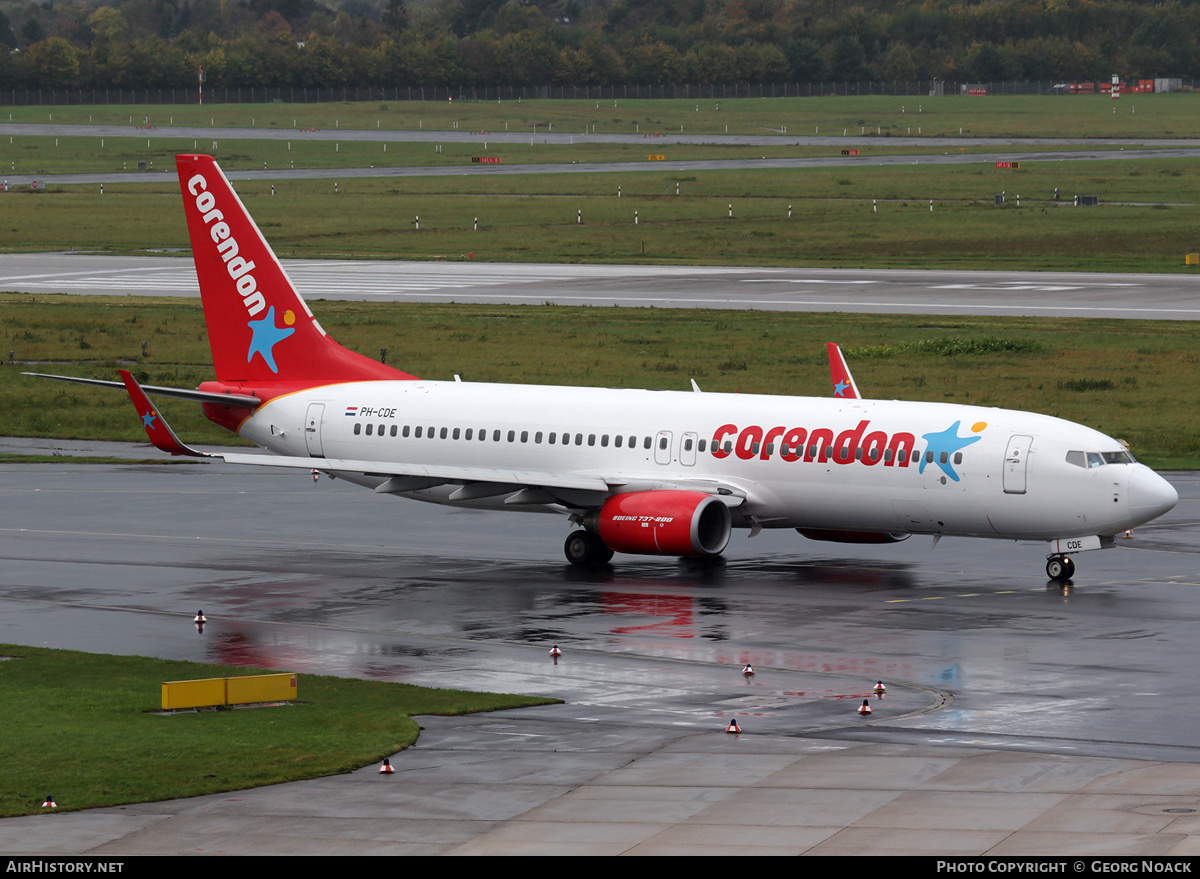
(636, 471)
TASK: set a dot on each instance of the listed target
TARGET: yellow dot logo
(289, 317)
(977, 426)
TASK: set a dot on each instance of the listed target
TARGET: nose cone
(1149, 494)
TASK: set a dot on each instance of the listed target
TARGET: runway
(1021, 717)
(872, 291)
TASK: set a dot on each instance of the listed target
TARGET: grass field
(1130, 379)
(1088, 116)
(85, 728)
(846, 217)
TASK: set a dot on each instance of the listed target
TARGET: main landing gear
(1060, 568)
(586, 550)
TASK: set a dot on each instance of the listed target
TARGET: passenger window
(537, 437)
(512, 435)
(495, 436)
(591, 439)
(469, 434)
(443, 434)
(662, 443)
(958, 457)
(944, 457)
(551, 439)
(369, 428)
(418, 433)
(404, 432)
(617, 440)
(524, 436)
(604, 441)
(753, 447)
(579, 439)
(393, 430)
(702, 444)
(687, 444)
(646, 443)
(456, 433)
(357, 429)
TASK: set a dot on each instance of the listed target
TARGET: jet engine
(663, 523)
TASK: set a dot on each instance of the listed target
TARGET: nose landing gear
(1060, 568)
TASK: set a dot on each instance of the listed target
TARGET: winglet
(157, 429)
(843, 381)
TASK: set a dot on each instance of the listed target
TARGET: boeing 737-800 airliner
(636, 471)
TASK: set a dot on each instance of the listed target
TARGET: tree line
(163, 44)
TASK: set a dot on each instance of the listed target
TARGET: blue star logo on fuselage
(947, 441)
(266, 335)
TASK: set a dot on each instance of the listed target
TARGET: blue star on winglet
(148, 420)
(266, 335)
(840, 388)
(947, 441)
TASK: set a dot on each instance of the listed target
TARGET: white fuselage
(799, 462)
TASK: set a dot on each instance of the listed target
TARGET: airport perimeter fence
(299, 95)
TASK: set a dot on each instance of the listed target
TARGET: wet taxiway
(1009, 700)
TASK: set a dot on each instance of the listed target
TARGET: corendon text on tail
(631, 471)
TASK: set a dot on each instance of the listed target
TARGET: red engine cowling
(842, 536)
(664, 523)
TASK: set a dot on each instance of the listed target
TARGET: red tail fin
(259, 327)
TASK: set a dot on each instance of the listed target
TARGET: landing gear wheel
(586, 550)
(1060, 568)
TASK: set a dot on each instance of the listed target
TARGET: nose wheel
(1060, 568)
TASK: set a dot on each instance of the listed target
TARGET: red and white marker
(49, 804)
(386, 768)
(748, 671)
(733, 727)
(865, 709)
(880, 689)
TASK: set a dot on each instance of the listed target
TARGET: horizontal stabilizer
(240, 400)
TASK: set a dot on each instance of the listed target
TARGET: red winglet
(843, 381)
(157, 429)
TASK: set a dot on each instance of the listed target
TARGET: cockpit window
(1089, 460)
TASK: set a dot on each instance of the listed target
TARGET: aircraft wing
(843, 381)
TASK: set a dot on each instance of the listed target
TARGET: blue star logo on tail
(839, 390)
(148, 420)
(266, 335)
(949, 442)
